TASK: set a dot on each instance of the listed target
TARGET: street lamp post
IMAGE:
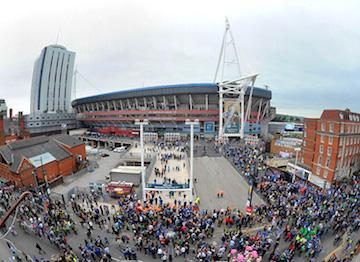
(34, 173)
(47, 189)
(141, 123)
(297, 150)
(191, 123)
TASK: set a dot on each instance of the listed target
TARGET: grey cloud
(307, 51)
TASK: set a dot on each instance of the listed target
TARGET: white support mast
(234, 90)
(224, 61)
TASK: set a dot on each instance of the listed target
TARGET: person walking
(41, 251)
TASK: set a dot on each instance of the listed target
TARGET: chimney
(21, 122)
(2, 134)
(11, 114)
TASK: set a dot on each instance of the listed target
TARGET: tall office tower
(52, 81)
(50, 102)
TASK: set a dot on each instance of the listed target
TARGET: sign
(248, 210)
(186, 129)
(167, 186)
(209, 127)
(232, 116)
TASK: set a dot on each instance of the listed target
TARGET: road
(105, 165)
(216, 173)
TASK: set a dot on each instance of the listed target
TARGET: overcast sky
(308, 52)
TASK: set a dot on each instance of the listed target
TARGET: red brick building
(12, 128)
(24, 161)
(331, 146)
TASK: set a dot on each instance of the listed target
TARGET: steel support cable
(88, 81)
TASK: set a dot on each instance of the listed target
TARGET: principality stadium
(167, 107)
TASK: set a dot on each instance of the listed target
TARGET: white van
(120, 149)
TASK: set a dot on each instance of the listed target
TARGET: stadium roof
(194, 88)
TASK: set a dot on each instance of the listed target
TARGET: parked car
(120, 149)
(104, 155)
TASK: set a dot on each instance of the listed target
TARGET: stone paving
(215, 174)
(177, 169)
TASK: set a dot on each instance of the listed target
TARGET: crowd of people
(247, 159)
(300, 212)
(296, 220)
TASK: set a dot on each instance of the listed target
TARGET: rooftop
(164, 90)
(340, 115)
(45, 149)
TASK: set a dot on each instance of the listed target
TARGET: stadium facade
(167, 108)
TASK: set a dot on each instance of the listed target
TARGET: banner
(209, 127)
(232, 116)
(186, 128)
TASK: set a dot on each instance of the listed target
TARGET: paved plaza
(105, 164)
(175, 169)
(215, 174)
(181, 175)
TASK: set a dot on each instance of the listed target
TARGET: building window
(330, 140)
(320, 160)
(342, 128)
(321, 149)
(341, 141)
(339, 152)
(331, 127)
(304, 143)
(323, 126)
(305, 134)
(318, 170)
(325, 173)
(329, 151)
(322, 138)
(351, 141)
(328, 161)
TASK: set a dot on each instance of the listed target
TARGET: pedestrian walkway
(171, 170)
(214, 174)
